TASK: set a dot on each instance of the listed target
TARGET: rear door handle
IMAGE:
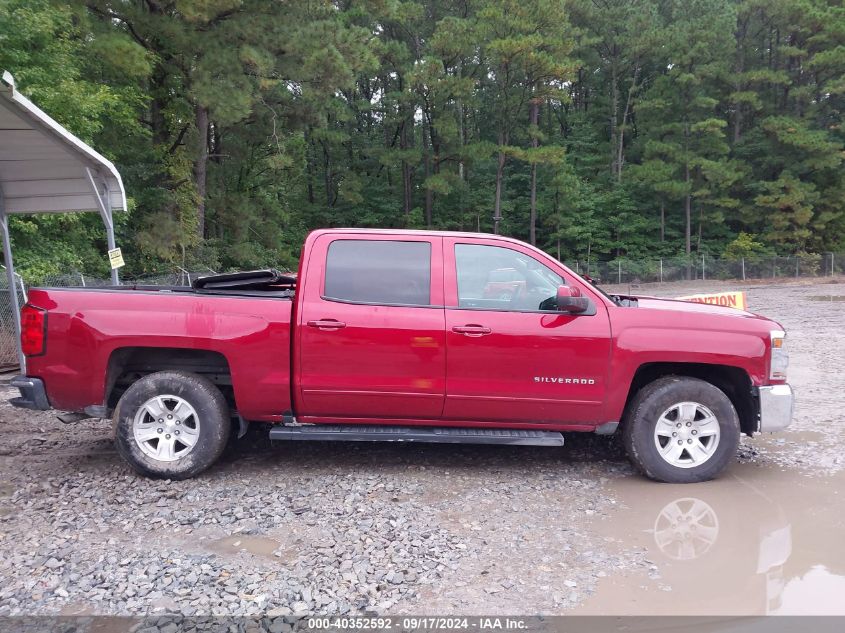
(327, 324)
(472, 329)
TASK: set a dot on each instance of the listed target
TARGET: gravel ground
(300, 529)
(310, 528)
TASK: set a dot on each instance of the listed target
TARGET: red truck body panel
(85, 326)
(388, 361)
(329, 360)
(660, 331)
(493, 377)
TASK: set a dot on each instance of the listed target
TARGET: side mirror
(570, 300)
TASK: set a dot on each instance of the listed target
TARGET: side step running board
(447, 435)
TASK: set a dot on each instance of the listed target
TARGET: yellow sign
(116, 258)
(727, 299)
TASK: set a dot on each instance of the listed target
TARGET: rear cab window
(378, 272)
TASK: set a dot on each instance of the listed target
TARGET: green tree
(525, 44)
(598, 129)
(682, 127)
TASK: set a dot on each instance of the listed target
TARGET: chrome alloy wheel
(166, 428)
(687, 434)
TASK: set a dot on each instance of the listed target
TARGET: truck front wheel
(171, 424)
(681, 430)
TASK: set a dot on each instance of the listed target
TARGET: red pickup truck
(393, 335)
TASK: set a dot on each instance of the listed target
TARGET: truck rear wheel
(681, 430)
(171, 424)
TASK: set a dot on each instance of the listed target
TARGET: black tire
(213, 428)
(657, 397)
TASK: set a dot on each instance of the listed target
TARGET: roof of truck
(418, 232)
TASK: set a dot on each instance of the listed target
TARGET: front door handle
(472, 329)
(327, 324)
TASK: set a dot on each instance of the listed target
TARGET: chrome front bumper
(777, 403)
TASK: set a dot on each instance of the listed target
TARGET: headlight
(780, 359)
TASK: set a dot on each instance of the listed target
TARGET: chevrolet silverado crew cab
(405, 336)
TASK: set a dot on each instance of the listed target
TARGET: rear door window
(381, 272)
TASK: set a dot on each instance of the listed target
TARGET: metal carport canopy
(46, 169)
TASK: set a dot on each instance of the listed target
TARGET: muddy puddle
(256, 545)
(760, 540)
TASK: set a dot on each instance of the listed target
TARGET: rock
(278, 612)
(279, 626)
(299, 608)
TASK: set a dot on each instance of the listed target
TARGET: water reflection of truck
(734, 547)
(755, 542)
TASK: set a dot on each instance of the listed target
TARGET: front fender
(640, 345)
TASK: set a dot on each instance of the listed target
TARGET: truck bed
(109, 333)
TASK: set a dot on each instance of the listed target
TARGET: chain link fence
(8, 336)
(618, 271)
(179, 277)
(621, 271)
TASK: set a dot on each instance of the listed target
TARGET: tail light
(33, 330)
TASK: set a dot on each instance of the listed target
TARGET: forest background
(597, 129)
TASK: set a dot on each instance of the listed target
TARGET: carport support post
(115, 279)
(10, 278)
(104, 203)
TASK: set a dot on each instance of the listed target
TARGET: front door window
(497, 278)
